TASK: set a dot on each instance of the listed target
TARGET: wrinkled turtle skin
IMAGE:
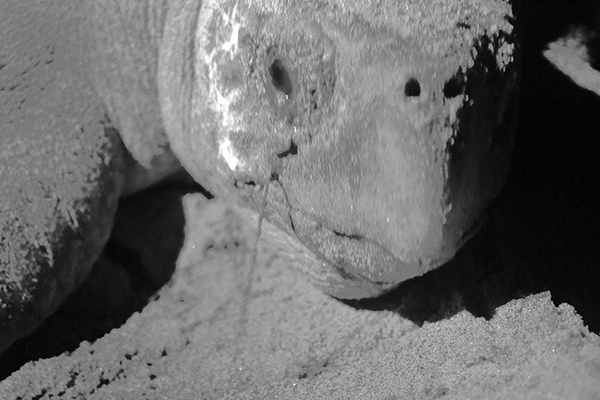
(383, 127)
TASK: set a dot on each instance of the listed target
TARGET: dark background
(556, 171)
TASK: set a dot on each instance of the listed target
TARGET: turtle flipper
(61, 163)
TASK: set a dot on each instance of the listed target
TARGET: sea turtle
(384, 128)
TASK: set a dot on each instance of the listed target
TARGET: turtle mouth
(369, 267)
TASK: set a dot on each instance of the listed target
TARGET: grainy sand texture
(302, 344)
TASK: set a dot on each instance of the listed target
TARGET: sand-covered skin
(61, 165)
(300, 343)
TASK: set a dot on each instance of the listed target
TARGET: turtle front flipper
(61, 163)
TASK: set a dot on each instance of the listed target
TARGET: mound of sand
(297, 343)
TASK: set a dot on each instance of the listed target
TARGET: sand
(301, 344)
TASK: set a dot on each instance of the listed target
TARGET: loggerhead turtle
(384, 127)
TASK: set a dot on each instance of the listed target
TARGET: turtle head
(387, 133)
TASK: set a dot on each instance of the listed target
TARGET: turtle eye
(280, 78)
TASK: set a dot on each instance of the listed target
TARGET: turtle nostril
(280, 77)
(412, 88)
(454, 86)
